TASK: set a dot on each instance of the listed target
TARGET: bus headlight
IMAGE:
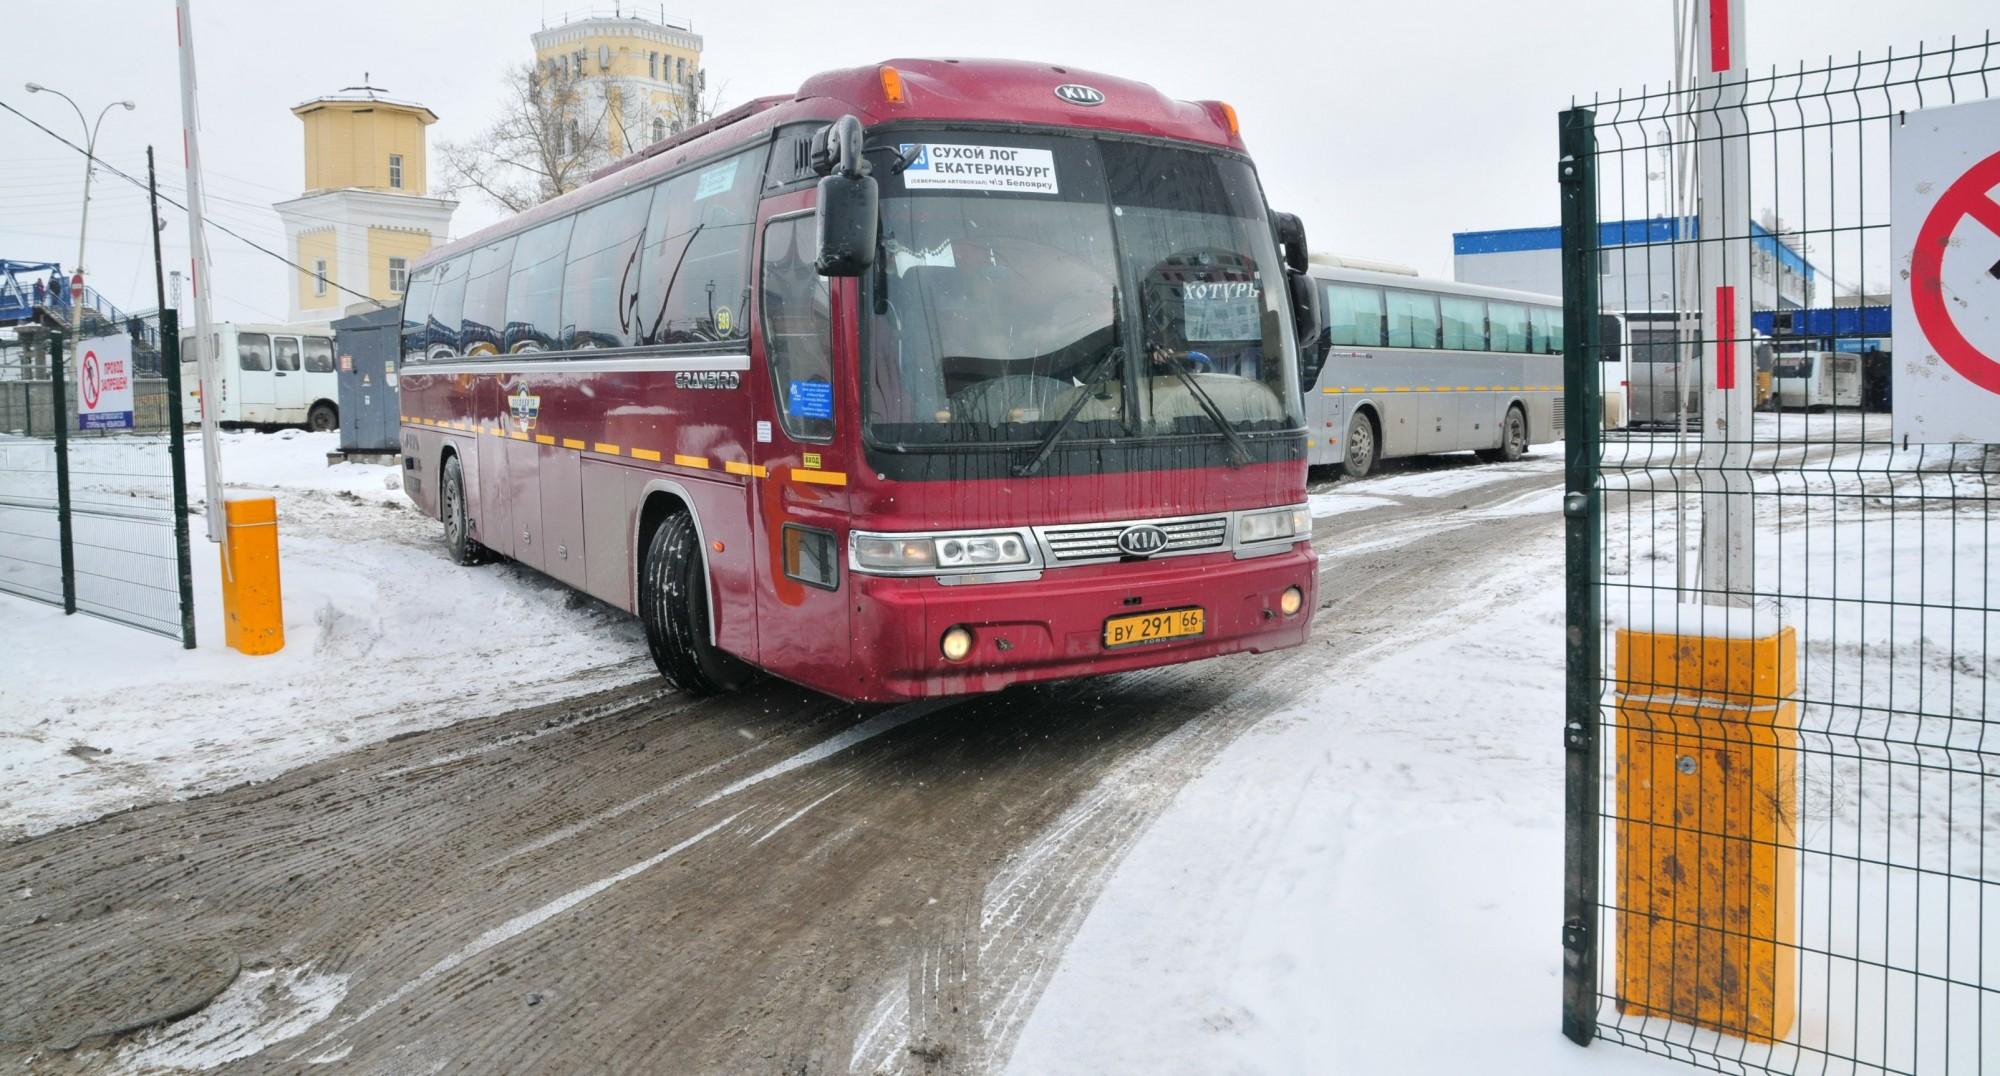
(907, 554)
(1252, 527)
(981, 549)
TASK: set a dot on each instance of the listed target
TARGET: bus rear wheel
(673, 604)
(458, 540)
(1359, 451)
(1513, 439)
(322, 418)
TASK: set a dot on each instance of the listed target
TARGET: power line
(177, 205)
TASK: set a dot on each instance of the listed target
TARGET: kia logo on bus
(1142, 540)
(1080, 95)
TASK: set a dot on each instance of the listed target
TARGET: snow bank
(383, 635)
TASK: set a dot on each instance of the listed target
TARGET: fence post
(64, 544)
(170, 367)
(1583, 524)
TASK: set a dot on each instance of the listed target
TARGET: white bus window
(285, 350)
(1464, 323)
(1507, 327)
(1548, 331)
(1353, 315)
(319, 355)
(601, 282)
(534, 287)
(253, 352)
(1413, 319)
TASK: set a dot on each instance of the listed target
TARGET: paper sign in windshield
(1224, 310)
(716, 180)
(809, 399)
(944, 166)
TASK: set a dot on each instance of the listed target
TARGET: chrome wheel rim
(454, 511)
(1360, 445)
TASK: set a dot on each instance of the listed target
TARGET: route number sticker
(950, 166)
(1945, 241)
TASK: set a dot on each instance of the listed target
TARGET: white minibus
(269, 375)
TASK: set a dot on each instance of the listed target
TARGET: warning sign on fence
(1945, 235)
(104, 384)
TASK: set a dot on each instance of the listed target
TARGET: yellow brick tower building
(642, 78)
(366, 214)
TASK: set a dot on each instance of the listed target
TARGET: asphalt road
(767, 883)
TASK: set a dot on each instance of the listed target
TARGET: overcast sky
(1387, 126)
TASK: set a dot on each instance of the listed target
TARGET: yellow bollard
(1707, 831)
(253, 614)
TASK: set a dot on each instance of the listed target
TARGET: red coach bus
(932, 378)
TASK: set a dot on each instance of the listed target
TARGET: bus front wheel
(673, 604)
(1359, 452)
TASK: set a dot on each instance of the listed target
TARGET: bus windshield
(1022, 279)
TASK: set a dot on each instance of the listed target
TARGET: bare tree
(550, 135)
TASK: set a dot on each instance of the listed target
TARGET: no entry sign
(1945, 231)
(104, 384)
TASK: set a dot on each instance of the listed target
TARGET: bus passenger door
(289, 384)
(799, 399)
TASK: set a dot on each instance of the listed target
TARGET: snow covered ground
(1368, 883)
(383, 636)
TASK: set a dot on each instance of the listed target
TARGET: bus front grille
(1099, 541)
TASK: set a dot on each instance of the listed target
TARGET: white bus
(269, 375)
(1409, 366)
(1810, 380)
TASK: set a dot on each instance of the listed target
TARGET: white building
(642, 78)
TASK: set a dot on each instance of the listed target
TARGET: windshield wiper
(1239, 453)
(1112, 354)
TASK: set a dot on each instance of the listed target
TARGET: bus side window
(1548, 331)
(447, 302)
(417, 313)
(534, 287)
(484, 317)
(1464, 323)
(285, 349)
(319, 355)
(1507, 327)
(601, 283)
(1353, 315)
(1413, 319)
(253, 351)
(797, 333)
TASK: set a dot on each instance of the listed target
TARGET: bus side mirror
(848, 200)
(1306, 319)
(1292, 236)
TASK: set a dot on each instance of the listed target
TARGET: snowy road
(764, 883)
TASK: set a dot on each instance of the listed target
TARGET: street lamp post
(89, 168)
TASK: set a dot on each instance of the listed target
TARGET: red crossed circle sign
(93, 388)
(1963, 200)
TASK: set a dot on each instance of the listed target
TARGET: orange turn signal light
(1229, 117)
(892, 85)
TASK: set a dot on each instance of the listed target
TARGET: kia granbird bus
(934, 377)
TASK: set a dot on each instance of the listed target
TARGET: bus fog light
(1291, 601)
(957, 643)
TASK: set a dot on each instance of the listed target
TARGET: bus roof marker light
(1228, 113)
(892, 85)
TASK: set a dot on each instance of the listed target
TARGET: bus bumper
(1053, 628)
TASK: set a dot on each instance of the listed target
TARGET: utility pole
(1724, 295)
(89, 169)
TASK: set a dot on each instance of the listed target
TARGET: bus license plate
(1152, 627)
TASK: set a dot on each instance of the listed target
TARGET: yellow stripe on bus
(544, 439)
(691, 461)
(821, 478)
(518, 436)
(571, 442)
(607, 449)
(646, 454)
(751, 469)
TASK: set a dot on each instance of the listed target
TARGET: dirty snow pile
(384, 635)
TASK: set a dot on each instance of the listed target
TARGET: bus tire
(322, 418)
(1513, 438)
(1360, 449)
(458, 541)
(673, 605)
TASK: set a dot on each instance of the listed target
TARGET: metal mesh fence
(107, 495)
(1784, 790)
